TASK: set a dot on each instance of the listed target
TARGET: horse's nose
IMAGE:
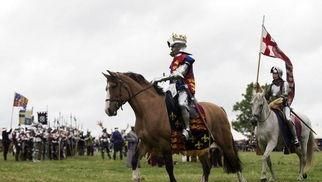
(254, 119)
(111, 112)
(108, 112)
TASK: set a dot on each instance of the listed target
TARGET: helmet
(277, 70)
(177, 39)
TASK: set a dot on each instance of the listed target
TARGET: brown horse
(153, 127)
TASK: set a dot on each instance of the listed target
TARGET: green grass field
(95, 169)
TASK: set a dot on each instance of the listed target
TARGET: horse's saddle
(286, 131)
(199, 138)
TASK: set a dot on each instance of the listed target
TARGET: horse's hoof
(140, 179)
(271, 180)
(304, 175)
(300, 178)
(263, 179)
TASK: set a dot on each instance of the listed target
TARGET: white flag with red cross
(269, 48)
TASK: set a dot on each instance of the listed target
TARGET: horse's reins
(267, 116)
(120, 102)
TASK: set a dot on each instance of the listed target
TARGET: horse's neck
(266, 112)
(144, 101)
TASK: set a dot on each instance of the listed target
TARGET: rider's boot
(186, 119)
(294, 141)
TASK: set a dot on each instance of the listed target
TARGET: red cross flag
(270, 48)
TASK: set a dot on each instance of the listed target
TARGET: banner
(42, 118)
(270, 48)
(20, 101)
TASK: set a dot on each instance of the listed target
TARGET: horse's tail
(310, 151)
(232, 163)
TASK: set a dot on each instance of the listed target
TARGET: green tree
(243, 108)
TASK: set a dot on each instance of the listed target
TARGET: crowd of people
(39, 142)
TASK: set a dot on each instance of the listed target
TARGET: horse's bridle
(261, 110)
(120, 102)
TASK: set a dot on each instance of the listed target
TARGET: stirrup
(185, 133)
(296, 143)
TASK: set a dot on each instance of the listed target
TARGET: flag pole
(48, 120)
(12, 109)
(11, 117)
(260, 51)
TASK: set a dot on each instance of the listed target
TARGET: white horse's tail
(310, 151)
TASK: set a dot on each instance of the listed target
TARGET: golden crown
(179, 37)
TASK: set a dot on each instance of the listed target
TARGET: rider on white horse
(280, 89)
(181, 73)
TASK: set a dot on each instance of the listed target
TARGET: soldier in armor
(118, 143)
(132, 141)
(89, 141)
(104, 144)
(29, 143)
(81, 144)
(69, 142)
(280, 89)
(48, 143)
(37, 143)
(16, 143)
(22, 139)
(181, 74)
(5, 142)
(55, 144)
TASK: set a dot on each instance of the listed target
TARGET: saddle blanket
(286, 132)
(199, 136)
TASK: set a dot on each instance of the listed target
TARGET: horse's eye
(113, 85)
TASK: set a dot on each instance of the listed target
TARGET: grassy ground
(95, 169)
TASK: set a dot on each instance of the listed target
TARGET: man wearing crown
(181, 74)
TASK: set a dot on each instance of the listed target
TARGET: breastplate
(276, 90)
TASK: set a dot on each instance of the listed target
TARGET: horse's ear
(258, 88)
(254, 91)
(107, 76)
(113, 75)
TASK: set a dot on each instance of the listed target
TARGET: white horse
(268, 136)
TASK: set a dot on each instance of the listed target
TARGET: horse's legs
(302, 157)
(206, 167)
(269, 164)
(269, 148)
(169, 165)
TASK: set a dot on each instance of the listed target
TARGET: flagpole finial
(263, 20)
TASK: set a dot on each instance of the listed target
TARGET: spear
(303, 121)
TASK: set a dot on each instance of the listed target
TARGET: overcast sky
(53, 52)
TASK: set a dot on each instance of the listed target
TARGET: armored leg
(290, 124)
(295, 141)
(184, 107)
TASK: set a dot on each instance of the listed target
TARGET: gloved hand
(156, 80)
(160, 79)
(285, 99)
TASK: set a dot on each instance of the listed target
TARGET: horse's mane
(142, 81)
